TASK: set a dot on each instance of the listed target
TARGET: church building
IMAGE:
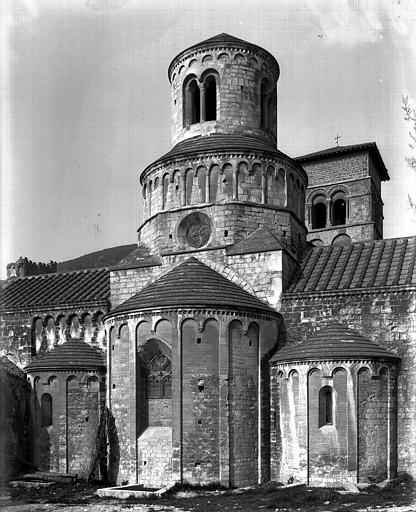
(260, 329)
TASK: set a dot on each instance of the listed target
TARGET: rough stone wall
(243, 400)
(154, 455)
(376, 425)
(263, 274)
(30, 333)
(214, 179)
(77, 402)
(83, 421)
(239, 73)
(202, 435)
(384, 316)
(230, 222)
(200, 401)
(357, 233)
(357, 177)
(16, 424)
(338, 169)
(122, 390)
(329, 450)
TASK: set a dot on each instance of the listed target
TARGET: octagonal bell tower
(224, 178)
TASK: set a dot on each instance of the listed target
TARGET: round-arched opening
(339, 212)
(319, 214)
(210, 98)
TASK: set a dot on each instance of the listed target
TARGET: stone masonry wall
(28, 333)
(221, 178)
(230, 223)
(384, 316)
(239, 73)
(263, 274)
(338, 169)
(16, 424)
(210, 383)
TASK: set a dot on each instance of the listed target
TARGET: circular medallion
(195, 230)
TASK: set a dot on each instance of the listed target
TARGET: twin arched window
(338, 211)
(200, 100)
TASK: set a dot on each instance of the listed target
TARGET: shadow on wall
(16, 424)
(113, 451)
(42, 440)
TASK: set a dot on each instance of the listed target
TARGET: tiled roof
(192, 284)
(10, 368)
(88, 286)
(219, 40)
(373, 264)
(337, 150)
(333, 342)
(220, 143)
(73, 354)
(223, 38)
(261, 240)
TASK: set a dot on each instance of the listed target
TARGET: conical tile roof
(333, 342)
(193, 284)
(73, 354)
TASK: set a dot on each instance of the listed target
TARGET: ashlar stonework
(260, 328)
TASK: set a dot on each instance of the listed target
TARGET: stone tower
(224, 177)
(194, 318)
(343, 200)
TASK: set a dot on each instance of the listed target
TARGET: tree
(410, 117)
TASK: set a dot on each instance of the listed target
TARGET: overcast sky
(85, 103)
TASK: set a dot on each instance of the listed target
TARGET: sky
(85, 103)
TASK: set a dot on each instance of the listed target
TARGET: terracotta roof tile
(371, 264)
(56, 289)
(193, 284)
(73, 354)
(333, 342)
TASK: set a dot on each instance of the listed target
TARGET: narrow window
(210, 99)
(192, 103)
(46, 410)
(318, 215)
(339, 212)
(325, 406)
(264, 116)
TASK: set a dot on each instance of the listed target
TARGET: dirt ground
(398, 496)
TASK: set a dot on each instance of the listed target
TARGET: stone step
(50, 477)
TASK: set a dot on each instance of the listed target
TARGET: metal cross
(337, 138)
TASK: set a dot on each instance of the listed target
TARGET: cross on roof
(337, 138)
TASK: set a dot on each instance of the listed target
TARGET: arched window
(319, 213)
(192, 103)
(339, 209)
(159, 374)
(264, 104)
(46, 410)
(326, 415)
(210, 86)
